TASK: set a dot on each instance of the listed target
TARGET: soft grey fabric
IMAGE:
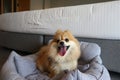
(92, 48)
(23, 68)
(9, 71)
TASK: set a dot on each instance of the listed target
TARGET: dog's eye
(66, 40)
(58, 41)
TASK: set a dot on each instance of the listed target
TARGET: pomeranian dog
(61, 54)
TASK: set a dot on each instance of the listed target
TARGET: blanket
(24, 68)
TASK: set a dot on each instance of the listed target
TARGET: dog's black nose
(62, 43)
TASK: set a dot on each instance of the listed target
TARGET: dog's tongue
(62, 50)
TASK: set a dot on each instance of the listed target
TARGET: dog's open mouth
(62, 50)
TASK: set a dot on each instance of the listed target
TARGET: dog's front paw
(51, 75)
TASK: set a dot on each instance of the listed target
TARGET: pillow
(89, 51)
(25, 65)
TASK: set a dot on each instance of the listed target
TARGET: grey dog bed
(23, 67)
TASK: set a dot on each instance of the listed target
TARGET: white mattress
(101, 20)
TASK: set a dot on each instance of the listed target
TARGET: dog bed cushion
(24, 68)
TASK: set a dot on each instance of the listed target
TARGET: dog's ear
(58, 31)
(69, 34)
(68, 31)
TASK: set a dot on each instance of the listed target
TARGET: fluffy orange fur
(61, 54)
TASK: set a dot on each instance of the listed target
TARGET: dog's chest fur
(71, 65)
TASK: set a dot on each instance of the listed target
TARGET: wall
(36, 4)
(47, 4)
(59, 3)
(43, 4)
(39, 4)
